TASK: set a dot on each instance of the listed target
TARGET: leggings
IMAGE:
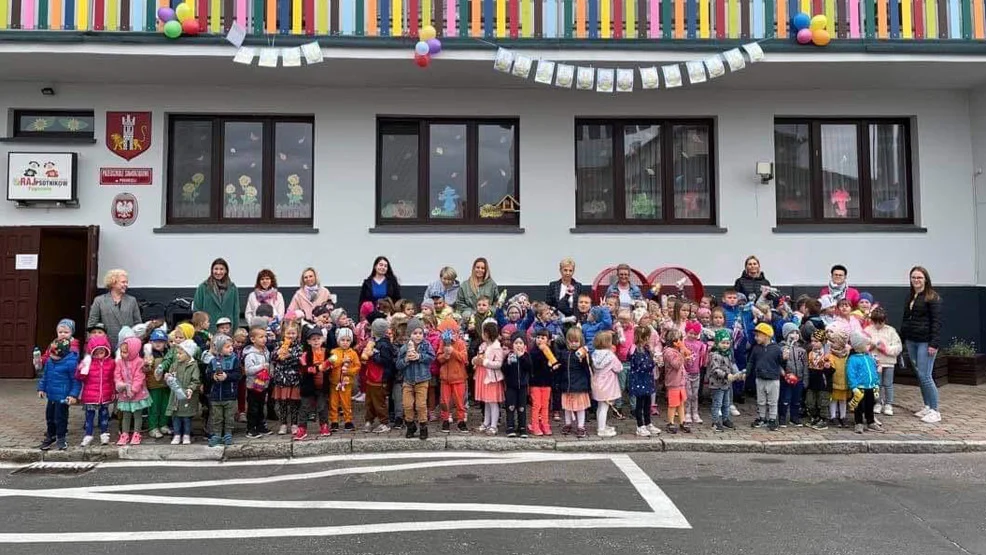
(492, 415)
(837, 409)
(642, 410)
(602, 410)
(578, 416)
(287, 411)
(138, 420)
(104, 418)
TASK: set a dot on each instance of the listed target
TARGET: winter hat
(259, 322)
(819, 335)
(827, 302)
(96, 326)
(864, 296)
(159, 335)
(189, 347)
(789, 328)
(765, 329)
(61, 348)
(344, 333)
(514, 306)
(692, 326)
(365, 309)
(219, 341)
(140, 330)
(517, 335)
(336, 314)
(509, 329)
(224, 320)
(704, 313)
(186, 329)
(721, 335)
(859, 341)
(133, 344)
(96, 343)
(125, 332)
(639, 313)
(379, 327)
(428, 303)
(67, 323)
(311, 331)
(414, 324)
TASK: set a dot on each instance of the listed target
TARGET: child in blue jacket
(58, 384)
(864, 383)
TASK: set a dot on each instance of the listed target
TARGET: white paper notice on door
(26, 262)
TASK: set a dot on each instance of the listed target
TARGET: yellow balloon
(184, 11)
(820, 37)
(818, 22)
(427, 32)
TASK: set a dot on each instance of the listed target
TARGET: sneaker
(294, 429)
(381, 429)
(186, 440)
(241, 418)
(523, 434)
(758, 423)
(323, 430)
(611, 428)
(165, 430)
(511, 433)
(933, 417)
(283, 429)
(104, 438)
(124, 438)
(359, 398)
(266, 431)
(46, 443)
(228, 439)
(728, 424)
(135, 439)
(686, 428)
(424, 431)
(859, 428)
(368, 427)
(349, 427)
(254, 435)
(772, 425)
(782, 424)
(717, 427)
(491, 431)
(556, 416)
(62, 444)
(888, 410)
(733, 411)
(482, 428)
(923, 412)
(412, 429)
(176, 440)
(822, 424)
(86, 440)
(335, 426)
(654, 430)
(581, 433)
(688, 419)
(842, 423)
(463, 428)
(642, 431)
(876, 427)
(301, 434)
(536, 430)
(156, 433)
(214, 440)
(446, 427)
(877, 408)
(398, 424)
(697, 419)
(672, 429)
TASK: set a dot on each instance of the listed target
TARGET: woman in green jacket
(478, 285)
(218, 296)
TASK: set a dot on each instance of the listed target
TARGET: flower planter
(907, 375)
(967, 370)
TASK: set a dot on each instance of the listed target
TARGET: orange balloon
(820, 37)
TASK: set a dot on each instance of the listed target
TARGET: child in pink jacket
(98, 387)
(606, 368)
(131, 389)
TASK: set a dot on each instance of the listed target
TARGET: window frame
(423, 130)
(216, 190)
(667, 173)
(18, 133)
(866, 217)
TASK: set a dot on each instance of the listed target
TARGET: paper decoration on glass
(125, 176)
(124, 209)
(290, 57)
(607, 80)
(507, 205)
(128, 134)
(41, 176)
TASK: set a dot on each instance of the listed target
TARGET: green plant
(960, 348)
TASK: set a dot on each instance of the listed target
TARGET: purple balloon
(166, 14)
(434, 46)
(804, 36)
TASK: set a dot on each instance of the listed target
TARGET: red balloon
(190, 27)
(422, 61)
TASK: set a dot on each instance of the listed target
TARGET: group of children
(807, 365)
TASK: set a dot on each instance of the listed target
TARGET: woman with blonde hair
(479, 284)
(310, 294)
(446, 287)
(114, 309)
(563, 293)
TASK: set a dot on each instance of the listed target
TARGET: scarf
(218, 287)
(265, 296)
(838, 292)
(312, 291)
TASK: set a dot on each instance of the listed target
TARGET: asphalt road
(504, 503)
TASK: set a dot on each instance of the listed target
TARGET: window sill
(441, 229)
(234, 228)
(644, 229)
(50, 140)
(849, 228)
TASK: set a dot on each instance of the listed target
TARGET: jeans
(790, 402)
(104, 418)
(515, 401)
(887, 385)
(923, 365)
(56, 417)
(720, 404)
(397, 399)
(256, 423)
(181, 425)
(641, 410)
(767, 393)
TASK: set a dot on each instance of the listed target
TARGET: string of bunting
(269, 56)
(607, 80)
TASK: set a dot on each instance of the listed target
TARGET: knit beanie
(703, 313)
(67, 323)
(693, 326)
(336, 314)
(509, 329)
(344, 333)
(365, 309)
(414, 324)
(514, 306)
(864, 296)
(818, 335)
(859, 341)
(125, 332)
(721, 335)
(379, 327)
(428, 303)
(219, 340)
(186, 329)
(789, 328)
(827, 302)
(189, 347)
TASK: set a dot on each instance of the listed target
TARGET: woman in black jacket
(920, 332)
(563, 294)
(381, 283)
(751, 280)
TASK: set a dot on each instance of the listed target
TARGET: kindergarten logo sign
(41, 176)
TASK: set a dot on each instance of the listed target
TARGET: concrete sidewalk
(963, 429)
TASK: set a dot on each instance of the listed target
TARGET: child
(605, 383)
(58, 384)
(489, 377)
(452, 359)
(887, 347)
(838, 352)
(154, 352)
(516, 381)
(287, 378)
(185, 372)
(693, 369)
(819, 382)
(64, 330)
(345, 367)
(240, 339)
(398, 336)
(323, 321)
(546, 320)
(434, 338)
(256, 367)
(379, 358)
(864, 382)
(675, 379)
(515, 314)
(845, 318)
(224, 326)
(414, 359)
(224, 372)
(765, 361)
(722, 373)
(543, 366)
(406, 306)
(864, 306)
(641, 380)
(98, 387)
(386, 306)
(574, 382)
(583, 307)
(623, 334)
(600, 319)
(793, 376)
(203, 339)
(131, 391)
(314, 386)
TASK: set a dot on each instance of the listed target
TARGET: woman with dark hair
(479, 284)
(563, 293)
(217, 296)
(264, 292)
(921, 333)
(752, 280)
(381, 283)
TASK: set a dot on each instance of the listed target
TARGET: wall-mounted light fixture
(48, 91)
(766, 172)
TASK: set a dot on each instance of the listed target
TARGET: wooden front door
(92, 270)
(18, 301)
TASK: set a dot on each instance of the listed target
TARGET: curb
(341, 446)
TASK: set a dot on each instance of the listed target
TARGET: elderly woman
(217, 296)
(310, 294)
(380, 284)
(624, 288)
(563, 294)
(752, 280)
(446, 287)
(114, 309)
(838, 288)
(479, 284)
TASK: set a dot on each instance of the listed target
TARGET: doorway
(46, 274)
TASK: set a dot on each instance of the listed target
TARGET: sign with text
(41, 176)
(125, 176)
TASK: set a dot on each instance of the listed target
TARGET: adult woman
(447, 286)
(752, 279)
(114, 309)
(217, 295)
(920, 332)
(479, 284)
(623, 288)
(563, 294)
(264, 292)
(310, 294)
(380, 283)
(837, 288)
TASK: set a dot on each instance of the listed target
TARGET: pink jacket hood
(97, 342)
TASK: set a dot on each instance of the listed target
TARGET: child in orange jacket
(452, 357)
(345, 366)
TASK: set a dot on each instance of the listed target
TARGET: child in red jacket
(98, 387)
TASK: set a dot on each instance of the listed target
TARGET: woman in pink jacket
(310, 294)
(606, 368)
(98, 387)
(131, 390)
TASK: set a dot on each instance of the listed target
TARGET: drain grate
(56, 468)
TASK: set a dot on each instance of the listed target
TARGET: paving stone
(14, 455)
(200, 452)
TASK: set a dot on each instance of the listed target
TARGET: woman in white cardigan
(264, 292)
(310, 294)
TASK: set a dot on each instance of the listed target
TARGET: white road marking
(655, 497)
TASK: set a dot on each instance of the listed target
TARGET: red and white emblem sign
(128, 134)
(124, 209)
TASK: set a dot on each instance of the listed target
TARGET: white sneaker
(381, 429)
(482, 428)
(359, 398)
(368, 427)
(104, 439)
(923, 412)
(294, 429)
(654, 430)
(606, 432)
(933, 417)
(611, 429)
(642, 431)
(86, 440)
(186, 440)
(697, 419)
(688, 419)
(241, 417)
(165, 430)
(888, 410)
(176, 440)
(733, 411)
(156, 433)
(877, 408)
(282, 430)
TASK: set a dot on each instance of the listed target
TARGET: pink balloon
(804, 36)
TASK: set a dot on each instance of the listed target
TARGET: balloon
(190, 27)
(422, 61)
(818, 22)
(434, 46)
(427, 32)
(172, 29)
(421, 49)
(804, 36)
(820, 37)
(166, 14)
(800, 21)
(184, 12)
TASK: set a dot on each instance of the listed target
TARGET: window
(240, 170)
(53, 124)
(644, 172)
(447, 171)
(843, 171)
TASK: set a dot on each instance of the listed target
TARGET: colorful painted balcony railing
(519, 19)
